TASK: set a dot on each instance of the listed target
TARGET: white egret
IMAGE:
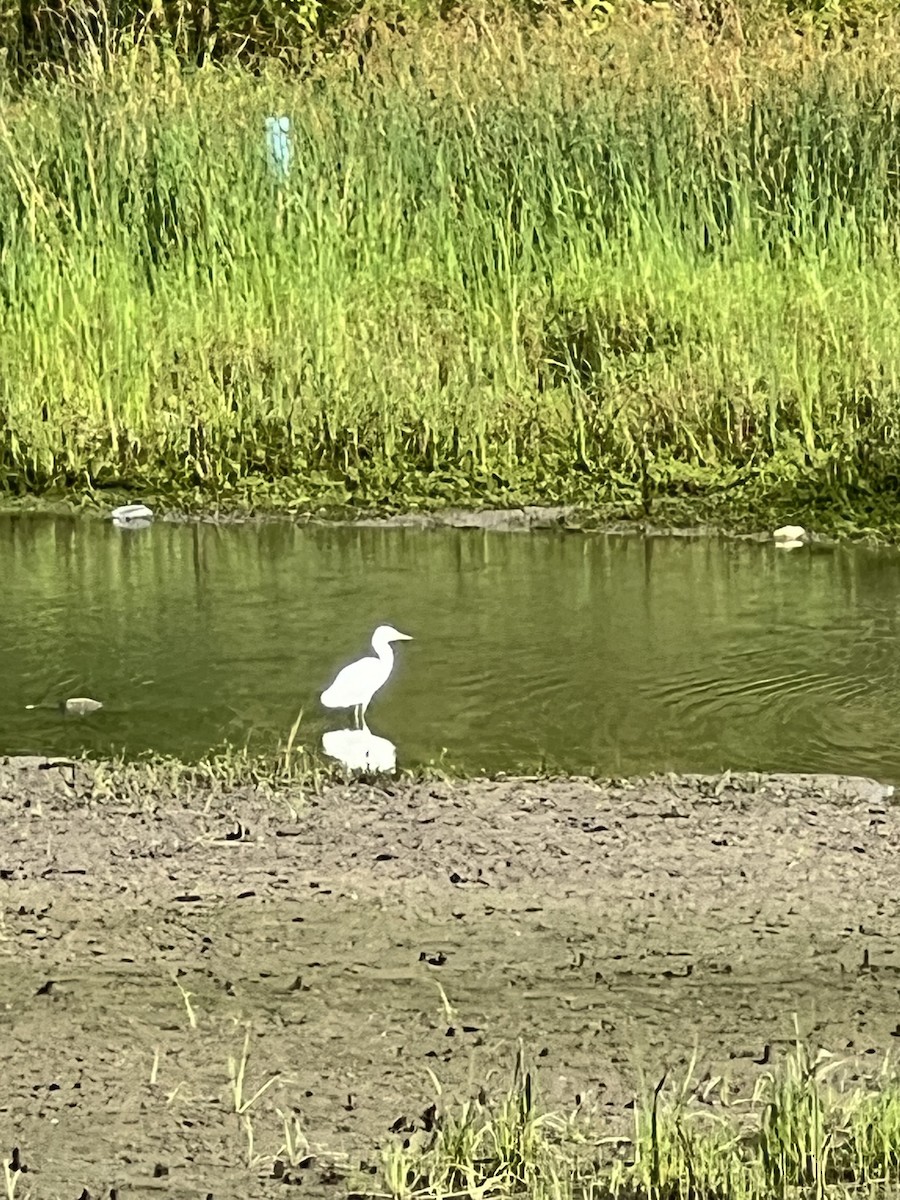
(356, 684)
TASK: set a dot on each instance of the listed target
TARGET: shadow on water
(620, 655)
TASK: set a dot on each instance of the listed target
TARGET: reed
(486, 280)
(803, 1132)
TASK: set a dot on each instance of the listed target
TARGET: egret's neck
(384, 651)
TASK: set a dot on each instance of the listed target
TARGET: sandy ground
(375, 939)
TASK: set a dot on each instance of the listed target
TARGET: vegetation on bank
(617, 259)
(799, 1134)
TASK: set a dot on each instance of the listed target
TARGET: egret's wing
(347, 683)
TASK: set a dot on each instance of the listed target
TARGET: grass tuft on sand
(802, 1132)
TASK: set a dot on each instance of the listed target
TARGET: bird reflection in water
(360, 749)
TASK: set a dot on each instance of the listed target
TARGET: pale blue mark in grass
(278, 146)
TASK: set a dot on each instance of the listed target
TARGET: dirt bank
(671, 518)
(372, 934)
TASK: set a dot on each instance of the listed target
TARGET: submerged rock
(80, 706)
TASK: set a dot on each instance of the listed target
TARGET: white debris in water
(132, 516)
(790, 533)
(80, 706)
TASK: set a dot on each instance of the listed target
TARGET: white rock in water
(132, 516)
(80, 706)
(790, 533)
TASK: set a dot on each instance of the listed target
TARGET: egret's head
(387, 633)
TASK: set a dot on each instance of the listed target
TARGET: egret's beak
(404, 637)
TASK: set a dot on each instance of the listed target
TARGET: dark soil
(375, 934)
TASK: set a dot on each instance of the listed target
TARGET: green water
(573, 652)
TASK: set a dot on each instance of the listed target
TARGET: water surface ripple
(614, 654)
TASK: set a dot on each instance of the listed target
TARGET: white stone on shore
(789, 536)
(132, 516)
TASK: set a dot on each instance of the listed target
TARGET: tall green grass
(56, 33)
(487, 278)
(802, 1133)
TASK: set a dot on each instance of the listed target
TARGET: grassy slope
(607, 263)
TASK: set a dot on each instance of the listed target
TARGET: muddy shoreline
(375, 933)
(515, 519)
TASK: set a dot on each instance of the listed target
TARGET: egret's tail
(329, 699)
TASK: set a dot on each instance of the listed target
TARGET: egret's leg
(356, 718)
